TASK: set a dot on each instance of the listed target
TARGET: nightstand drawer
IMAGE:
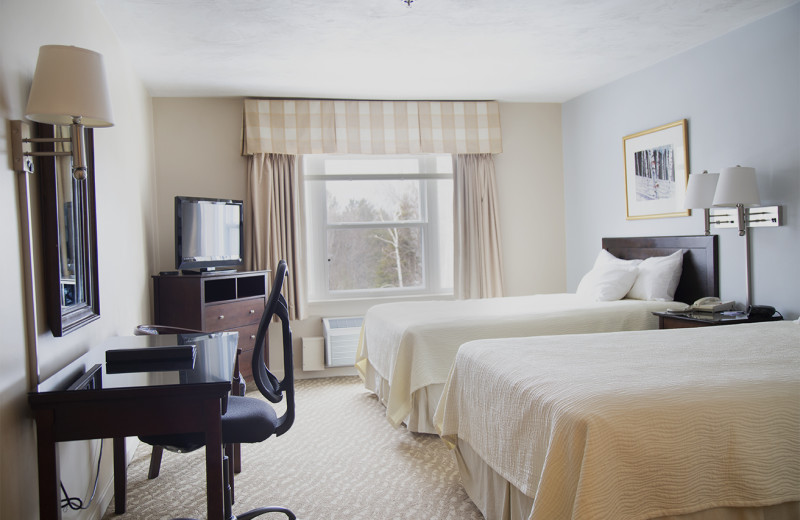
(670, 322)
(234, 314)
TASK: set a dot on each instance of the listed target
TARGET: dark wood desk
(118, 405)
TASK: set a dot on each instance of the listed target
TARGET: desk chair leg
(155, 462)
(261, 510)
(235, 454)
(228, 498)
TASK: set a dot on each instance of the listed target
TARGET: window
(378, 225)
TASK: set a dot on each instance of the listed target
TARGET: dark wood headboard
(700, 275)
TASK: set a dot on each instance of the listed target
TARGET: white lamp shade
(69, 82)
(700, 190)
(737, 185)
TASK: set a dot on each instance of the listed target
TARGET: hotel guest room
(728, 73)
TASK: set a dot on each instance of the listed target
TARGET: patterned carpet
(341, 459)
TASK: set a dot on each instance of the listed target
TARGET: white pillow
(604, 257)
(608, 281)
(658, 277)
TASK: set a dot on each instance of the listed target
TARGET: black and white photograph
(656, 172)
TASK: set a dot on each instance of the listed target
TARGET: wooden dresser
(231, 301)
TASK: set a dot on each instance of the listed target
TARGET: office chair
(247, 419)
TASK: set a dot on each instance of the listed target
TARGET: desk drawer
(230, 315)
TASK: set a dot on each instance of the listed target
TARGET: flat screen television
(209, 233)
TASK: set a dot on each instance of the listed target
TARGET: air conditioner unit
(341, 340)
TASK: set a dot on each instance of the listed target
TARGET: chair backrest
(266, 382)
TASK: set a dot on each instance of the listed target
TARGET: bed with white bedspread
(411, 346)
(406, 349)
(629, 425)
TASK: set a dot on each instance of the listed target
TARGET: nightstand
(684, 320)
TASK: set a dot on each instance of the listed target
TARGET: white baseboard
(105, 486)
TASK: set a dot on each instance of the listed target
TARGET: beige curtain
(274, 211)
(478, 265)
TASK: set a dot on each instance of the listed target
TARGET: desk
(138, 403)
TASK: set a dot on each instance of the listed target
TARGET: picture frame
(656, 172)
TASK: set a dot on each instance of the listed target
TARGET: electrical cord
(76, 503)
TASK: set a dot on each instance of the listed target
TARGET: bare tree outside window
(384, 225)
(378, 256)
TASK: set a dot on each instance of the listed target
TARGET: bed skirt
(499, 500)
(423, 401)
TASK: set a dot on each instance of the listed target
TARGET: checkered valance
(310, 126)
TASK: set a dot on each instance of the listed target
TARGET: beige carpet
(341, 459)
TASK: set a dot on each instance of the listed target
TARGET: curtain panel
(298, 126)
(274, 221)
(478, 264)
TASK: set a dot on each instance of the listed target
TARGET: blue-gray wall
(741, 96)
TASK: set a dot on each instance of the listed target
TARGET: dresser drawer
(247, 340)
(234, 314)
(247, 336)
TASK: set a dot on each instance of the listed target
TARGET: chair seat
(246, 420)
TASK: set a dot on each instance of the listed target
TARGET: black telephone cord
(76, 503)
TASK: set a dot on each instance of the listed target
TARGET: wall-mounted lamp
(69, 88)
(733, 195)
(700, 194)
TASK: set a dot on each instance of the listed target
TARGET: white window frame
(317, 228)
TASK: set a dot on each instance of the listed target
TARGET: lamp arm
(78, 155)
(18, 153)
(742, 221)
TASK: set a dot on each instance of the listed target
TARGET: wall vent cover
(341, 340)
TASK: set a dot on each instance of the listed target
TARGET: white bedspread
(412, 345)
(634, 425)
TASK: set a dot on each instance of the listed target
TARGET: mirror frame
(63, 320)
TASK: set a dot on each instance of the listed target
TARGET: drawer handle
(221, 317)
(252, 311)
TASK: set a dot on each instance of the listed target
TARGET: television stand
(206, 272)
(214, 301)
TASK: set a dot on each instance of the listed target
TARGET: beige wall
(198, 154)
(530, 184)
(198, 144)
(124, 184)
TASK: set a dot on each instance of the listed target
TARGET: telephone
(712, 304)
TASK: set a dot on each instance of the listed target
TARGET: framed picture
(656, 172)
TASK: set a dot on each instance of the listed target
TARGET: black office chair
(247, 419)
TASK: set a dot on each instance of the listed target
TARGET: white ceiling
(509, 50)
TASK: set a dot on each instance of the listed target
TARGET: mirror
(69, 233)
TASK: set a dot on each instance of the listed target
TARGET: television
(209, 233)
